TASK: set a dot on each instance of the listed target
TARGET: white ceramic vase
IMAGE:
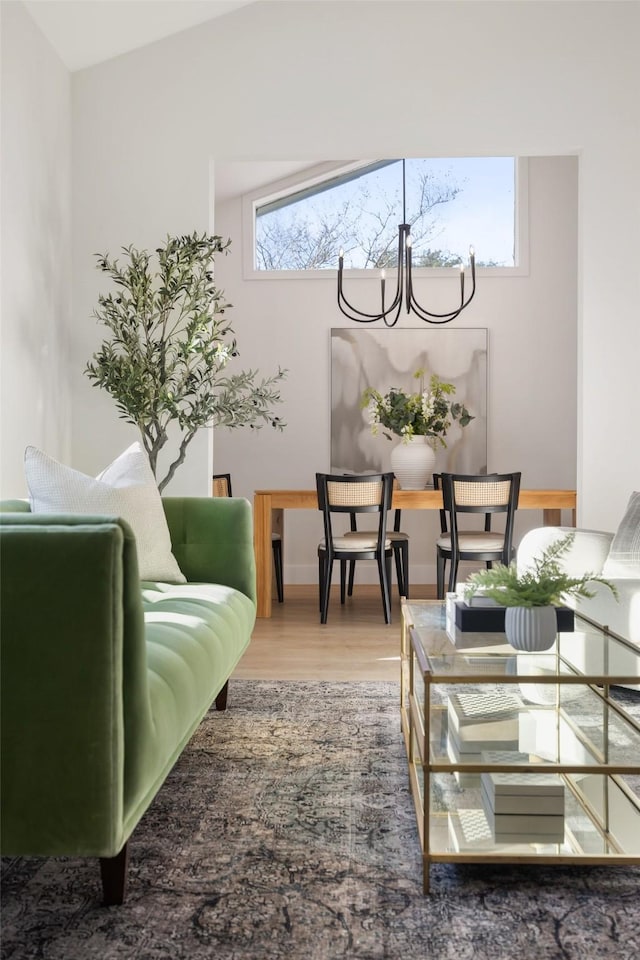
(413, 463)
(531, 628)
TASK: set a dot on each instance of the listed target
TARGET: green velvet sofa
(104, 677)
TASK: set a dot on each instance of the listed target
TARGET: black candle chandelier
(404, 284)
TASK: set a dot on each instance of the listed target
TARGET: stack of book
(522, 807)
(479, 722)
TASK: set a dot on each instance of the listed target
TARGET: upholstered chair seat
(473, 540)
(358, 540)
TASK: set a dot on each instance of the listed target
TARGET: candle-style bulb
(341, 253)
(382, 274)
(472, 254)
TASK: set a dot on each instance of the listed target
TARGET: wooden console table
(269, 507)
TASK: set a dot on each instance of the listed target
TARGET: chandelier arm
(439, 317)
(392, 323)
(428, 315)
(361, 316)
(370, 318)
(354, 314)
(431, 318)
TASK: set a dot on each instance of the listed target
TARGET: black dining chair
(399, 544)
(345, 495)
(221, 487)
(485, 495)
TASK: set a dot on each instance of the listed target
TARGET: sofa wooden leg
(113, 871)
(221, 699)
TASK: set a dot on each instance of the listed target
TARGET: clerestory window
(450, 204)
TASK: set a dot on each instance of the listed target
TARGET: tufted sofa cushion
(191, 633)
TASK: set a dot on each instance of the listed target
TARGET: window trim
(314, 175)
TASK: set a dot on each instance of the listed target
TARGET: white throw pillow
(126, 488)
(624, 554)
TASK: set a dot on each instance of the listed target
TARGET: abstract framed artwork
(389, 358)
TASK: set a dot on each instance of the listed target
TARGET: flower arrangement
(545, 584)
(427, 413)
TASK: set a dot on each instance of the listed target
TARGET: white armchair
(611, 555)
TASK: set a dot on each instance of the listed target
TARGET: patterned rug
(286, 830)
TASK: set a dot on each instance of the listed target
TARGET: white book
(521, 804)
(463, 778)
(551, 827)
(529, 824)
(501, 735)
(523, 784)
(472, 707)
(522, 837)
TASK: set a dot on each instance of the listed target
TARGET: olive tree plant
(169, 344)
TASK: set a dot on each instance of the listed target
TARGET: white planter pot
(531, 628)
(413, 463)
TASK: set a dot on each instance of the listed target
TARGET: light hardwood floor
(355, 643)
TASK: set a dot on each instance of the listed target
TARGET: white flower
(428, 405)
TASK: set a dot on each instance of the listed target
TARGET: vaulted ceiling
(84, 33)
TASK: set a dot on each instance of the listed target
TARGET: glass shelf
(518, 756)
(461, 823)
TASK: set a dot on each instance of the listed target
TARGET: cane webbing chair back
(353, 495)
(469, 494)
(221, 485)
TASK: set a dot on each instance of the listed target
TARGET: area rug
(286, 830)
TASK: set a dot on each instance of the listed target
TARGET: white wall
(35, 397)
(531, 322)
(300, 81)
(289, 81)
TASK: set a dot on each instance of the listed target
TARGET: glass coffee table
(520, 757)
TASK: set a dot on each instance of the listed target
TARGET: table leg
(552, 517)
(262, 546)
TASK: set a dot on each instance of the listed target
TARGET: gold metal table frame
(269, 507)
(593, 752)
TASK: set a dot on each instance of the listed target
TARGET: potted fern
(531, 597)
